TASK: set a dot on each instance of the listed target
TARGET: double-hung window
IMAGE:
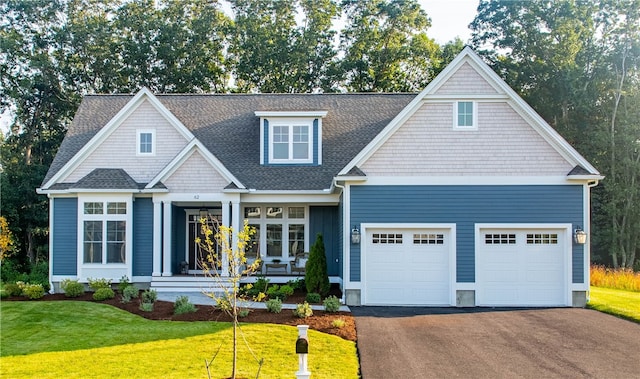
(104, 232)
(146, 142)
(465, 115)
(291, 142)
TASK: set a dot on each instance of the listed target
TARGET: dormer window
(291, 137)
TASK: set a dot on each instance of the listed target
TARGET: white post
(157, 238)
(303, 369)
(166, 251)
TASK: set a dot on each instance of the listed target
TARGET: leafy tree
(6, 240)
(386, 48)
(316, 278)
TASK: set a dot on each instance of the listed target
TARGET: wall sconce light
(204, 213)
(580, 236)
(355, 235)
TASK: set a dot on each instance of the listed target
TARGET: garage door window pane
(542, 239)
(428, 239)
(387, 238)
(499, 239)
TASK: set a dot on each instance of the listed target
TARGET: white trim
(186, 153)
(474, 116)
(139, 133)
(521, 107)
(451, 227)
(465, 180)
(290, 197)
(51, 252)
(157, 238)
(289, 114)
(112, 125)
(568, 252)
(167, 237)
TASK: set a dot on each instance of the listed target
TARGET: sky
(450, 18)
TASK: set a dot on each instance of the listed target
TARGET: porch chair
(299, 264)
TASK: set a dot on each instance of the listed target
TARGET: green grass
(625, 304)
(80, 340)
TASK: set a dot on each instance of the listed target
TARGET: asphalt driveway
(399, 342)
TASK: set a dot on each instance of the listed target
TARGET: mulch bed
(163, 310)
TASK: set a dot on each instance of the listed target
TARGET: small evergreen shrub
(12, 289)
(182, 305)
(331, 304)
(244, 312)
(286, 290)
(303, 310)
(338, 323)
(129, 293)
(313, 297)
(103, 294)
(146, 307)
(33, 291)
(149, 296)
(296, 284)
(274, 305)
(96, 284)
(72, 288)
(316, 277)
(124, 283)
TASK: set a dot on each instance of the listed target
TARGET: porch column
(226, 222)
(166, 249)
(157, 238)
(235, 222)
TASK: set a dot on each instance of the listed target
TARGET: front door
(195, 254)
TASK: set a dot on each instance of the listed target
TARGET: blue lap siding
(466, 206)
(324, 220)
(142, 237)
(65, 236)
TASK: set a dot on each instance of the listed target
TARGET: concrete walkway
(198, 298)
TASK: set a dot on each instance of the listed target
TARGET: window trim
(139, 133)
(262, 221)
(474, 116)
(290, 123)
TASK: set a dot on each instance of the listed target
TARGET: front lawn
(625, 304)
(80, 340)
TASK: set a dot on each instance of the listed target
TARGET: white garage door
(521, 267)
(407, 267)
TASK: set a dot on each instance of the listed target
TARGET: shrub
(244, 312)
(149, 296)
(182, 305)
(279, 292)
(146, 307)
(39, 274)
(296, 284)
(286, 290)
(96, 284)
(338, 323)
(274, 305)
(313, 297)
(129, 293)
(303, 310)
(331, 304)
(316, 277)
(11, 271)
(124, 283)
(72, 288)
(102, 294)
(33, 291)
(257, 289)
(12, 289)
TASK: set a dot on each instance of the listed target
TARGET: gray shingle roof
(227, 126)
(108, 178)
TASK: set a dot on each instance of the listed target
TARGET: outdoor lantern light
(580, 236)
(355, 235)
(204, 213)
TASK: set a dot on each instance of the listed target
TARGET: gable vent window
(384, 238)
(500, 239)
(428, 239)
(542, 239)
(466, 115)
(146, 142)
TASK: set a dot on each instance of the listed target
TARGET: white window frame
(285, 221)
(290, 123)
(113, 271)
(474, 116)
(139, 134)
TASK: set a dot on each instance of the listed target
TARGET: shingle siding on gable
(465, 206)
(142, 237)
(122, 143)
(196, 175)
(504, 144)
(65, 236)
(466, 81)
